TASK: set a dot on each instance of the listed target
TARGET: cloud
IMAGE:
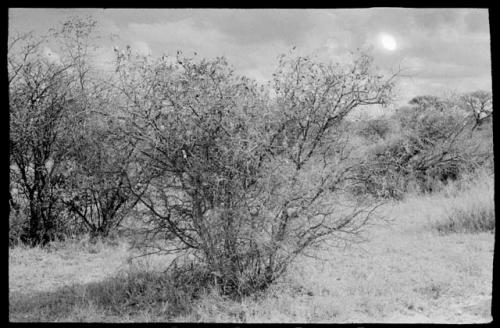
(141, 47)
(432, 19)
(442, 48)
(246, 26)
(104, 58)
(439, 86)
(51, 56)
(477, 21)
(422, 68)
(436, 46)
(189, 36)
(172, 36)
(242, 26)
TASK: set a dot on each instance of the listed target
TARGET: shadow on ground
(113, 299)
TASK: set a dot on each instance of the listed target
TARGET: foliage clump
(430, 143)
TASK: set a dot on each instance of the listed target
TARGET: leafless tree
(479, 105)
(39, 96)
(65, 155)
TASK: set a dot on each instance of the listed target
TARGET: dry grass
(470, 210)
(406, 271)
(465, 206)
(415, 276)
(44, 269)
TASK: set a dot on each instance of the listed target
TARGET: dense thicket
(427, 144)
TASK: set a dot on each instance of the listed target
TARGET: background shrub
(471, 207)
(432, 143)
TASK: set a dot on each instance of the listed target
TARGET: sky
(437, 50)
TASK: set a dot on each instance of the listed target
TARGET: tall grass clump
(135, 292)
(471, 207)
(168, 294)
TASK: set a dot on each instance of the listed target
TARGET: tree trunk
(35, 226)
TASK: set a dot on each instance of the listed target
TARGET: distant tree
(479, 105)
(240, 180)
(375, 129)
(428, 102)
(434, 144)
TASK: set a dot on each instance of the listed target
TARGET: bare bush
(479, 104)
(40, 93)
(97, 187)
(68, 160)
(239, 180)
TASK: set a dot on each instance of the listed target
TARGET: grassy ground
(407, 270)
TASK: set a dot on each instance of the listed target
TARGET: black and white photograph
(222, 165)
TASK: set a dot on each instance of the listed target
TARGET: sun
(388, 42)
